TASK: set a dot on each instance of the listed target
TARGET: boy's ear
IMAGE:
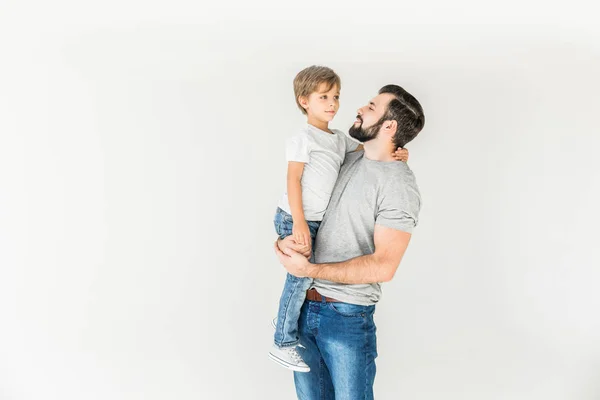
(303, 102)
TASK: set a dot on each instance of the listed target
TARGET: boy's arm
(297, 154)
(390, 246)
(300, 230)
(294, 188)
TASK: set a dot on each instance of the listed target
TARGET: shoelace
(295, 356)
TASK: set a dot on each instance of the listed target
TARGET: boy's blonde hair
(309, 79)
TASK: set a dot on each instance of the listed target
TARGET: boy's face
(322, 104)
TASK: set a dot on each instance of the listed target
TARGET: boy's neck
(322, 125)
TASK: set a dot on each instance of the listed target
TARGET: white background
(141, 159)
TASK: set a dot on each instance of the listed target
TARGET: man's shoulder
(403, 175)
(393, 179)
(402, 184)
(402, 171)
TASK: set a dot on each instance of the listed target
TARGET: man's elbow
(389, 271)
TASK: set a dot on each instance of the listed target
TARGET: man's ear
(390, 127)
(303, 100)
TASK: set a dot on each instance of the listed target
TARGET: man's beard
(365, 134)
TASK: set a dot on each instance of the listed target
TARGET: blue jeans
(294, 290)
(340, 347)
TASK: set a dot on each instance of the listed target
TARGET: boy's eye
(323, 97)
(336, 97)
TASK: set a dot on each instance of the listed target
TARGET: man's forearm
(363, 269)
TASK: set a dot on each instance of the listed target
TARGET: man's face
(323, 104)
(369, 118)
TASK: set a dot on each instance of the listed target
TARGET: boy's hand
(400, 154)
(289, 242)
(301, 233)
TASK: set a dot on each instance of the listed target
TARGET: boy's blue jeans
(294, 290)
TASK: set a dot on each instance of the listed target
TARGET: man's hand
(289, 242)
(295, 263)
(400, 154)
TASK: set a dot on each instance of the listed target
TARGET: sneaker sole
(288, 365)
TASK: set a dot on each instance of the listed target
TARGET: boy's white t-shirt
(323, 154)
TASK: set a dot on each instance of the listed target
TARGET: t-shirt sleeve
(297, 149)
(351, 145)
(399, 208)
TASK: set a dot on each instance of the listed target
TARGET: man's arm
(390, 246)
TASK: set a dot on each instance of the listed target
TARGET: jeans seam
(321, 384)
(367, 323)
(366, 338)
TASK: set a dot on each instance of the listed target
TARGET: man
(361, 241)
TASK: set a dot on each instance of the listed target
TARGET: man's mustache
(359, 118)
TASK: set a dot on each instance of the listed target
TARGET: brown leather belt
(313, 295)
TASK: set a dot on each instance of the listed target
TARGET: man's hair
(406, 111)
(309, 79)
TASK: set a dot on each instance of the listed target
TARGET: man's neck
(377, 150)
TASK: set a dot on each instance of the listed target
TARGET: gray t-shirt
(366, 193)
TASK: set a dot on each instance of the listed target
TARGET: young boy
(314, 155)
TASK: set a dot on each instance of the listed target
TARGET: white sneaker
(289, 358)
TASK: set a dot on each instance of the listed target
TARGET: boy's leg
(290, 304)
(294, 290)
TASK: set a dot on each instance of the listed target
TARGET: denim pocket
(287, 218)
(283, 223)
(349, 310)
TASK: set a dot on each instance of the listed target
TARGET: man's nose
(359, 111)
